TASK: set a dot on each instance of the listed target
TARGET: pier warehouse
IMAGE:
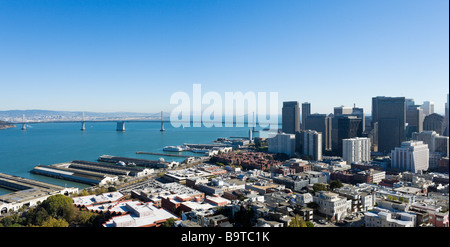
(137, 162)
(26, 192)
(63, 171)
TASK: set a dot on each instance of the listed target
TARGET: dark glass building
(290, 117)
(390, 114)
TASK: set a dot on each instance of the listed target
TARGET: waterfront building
(390, 115)
(356, 150)
(291, 117)
(412, 156)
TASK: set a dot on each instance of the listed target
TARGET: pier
(26, 192)
(164, 154)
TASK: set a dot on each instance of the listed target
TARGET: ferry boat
(173, 149)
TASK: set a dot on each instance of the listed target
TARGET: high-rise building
(306, 111)
(356, 150)
(291, 117)
(320, 123)
(347, 127)
(311, 142)
(343, 110)
(390, 114)
(411, 156)
(359, 112)
(435, 142)
(434, 122)
(282, 143)
(447, 121)
(414, 119)
(428, 108)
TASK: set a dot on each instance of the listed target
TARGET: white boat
(173, 149)
(196, 150)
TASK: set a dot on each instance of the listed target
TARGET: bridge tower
(24, 125)
(83, 125)
(162, 123)
(121, 126)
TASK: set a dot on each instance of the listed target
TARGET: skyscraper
(434, 122)
(390, 114)
(347, 127)
(428, 108)
(320, 123)
(414, 118)
(291, 117)
(447, 129)
(306, 111)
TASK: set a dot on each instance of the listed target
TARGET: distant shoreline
(6, 126)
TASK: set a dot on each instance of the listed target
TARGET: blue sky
(133, 55)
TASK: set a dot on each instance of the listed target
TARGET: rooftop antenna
(162, 123)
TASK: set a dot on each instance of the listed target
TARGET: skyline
(131, 57)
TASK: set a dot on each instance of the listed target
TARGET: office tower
(359, 112)
(435, 142)
(342, 110)
(356, 150)
(320, 123)
(412, 156)
(291, 117)
(447, 121)
(434, 122)
(347, 127)
(414, 119)
(390, 114)
(428, 108)
(311, 142)
(282, 143)
(306, 111)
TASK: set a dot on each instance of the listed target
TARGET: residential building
(356, 150)
(332, 205)
(311, 142)
(385, 218)
(282, 143)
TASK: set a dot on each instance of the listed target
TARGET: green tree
(334, 184)
(52, 222)
(59, 207)
(169, 222)
(297, 221)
